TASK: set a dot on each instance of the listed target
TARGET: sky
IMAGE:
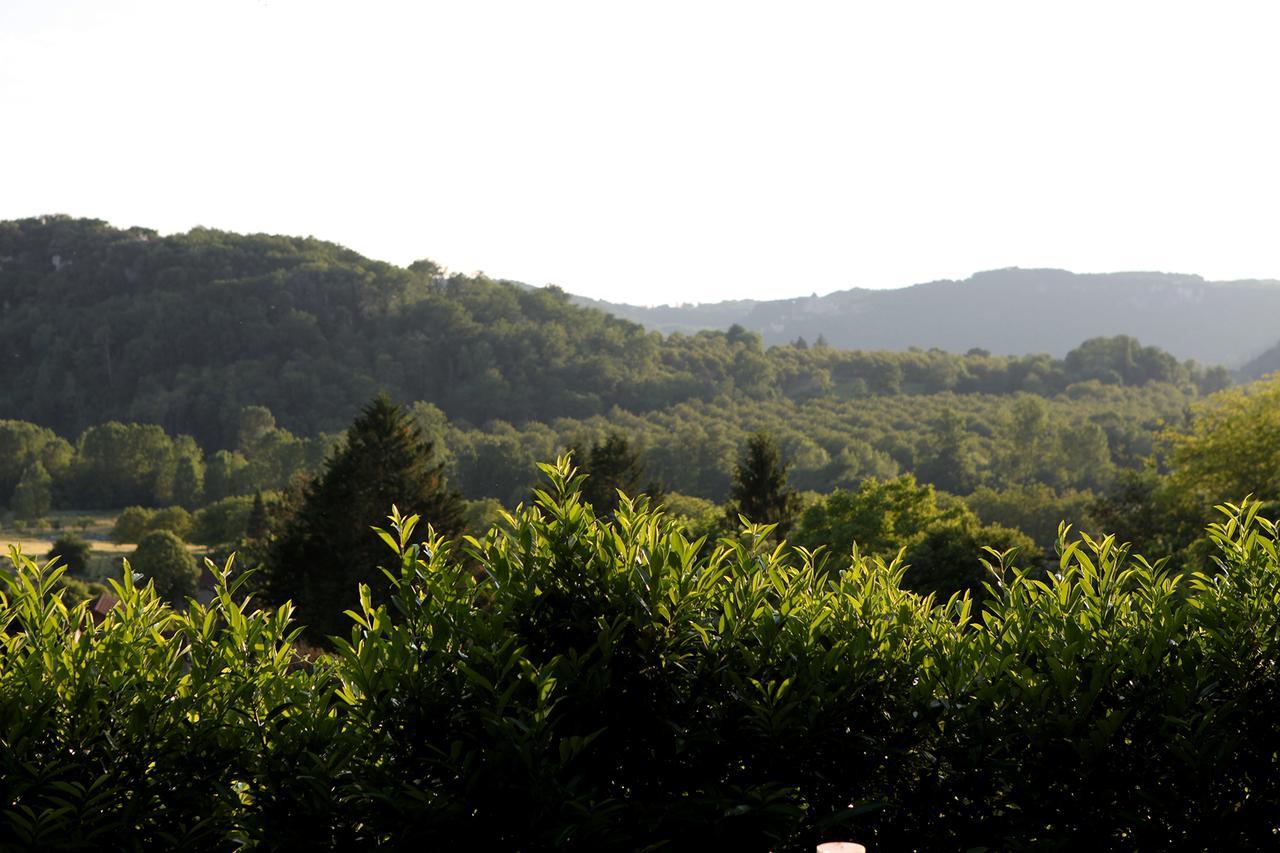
(664, 151)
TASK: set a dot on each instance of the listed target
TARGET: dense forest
(184, 331)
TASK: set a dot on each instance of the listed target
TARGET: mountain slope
(1008, 311)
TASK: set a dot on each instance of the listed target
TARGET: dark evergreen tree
(760, 490)
(611, 466)
(258, 522)
(325, 547)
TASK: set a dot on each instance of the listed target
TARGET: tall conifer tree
(760, 490)
(612, 466)
(325, 546)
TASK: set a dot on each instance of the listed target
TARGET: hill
(1008, 311)
(184, 331)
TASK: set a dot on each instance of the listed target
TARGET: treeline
(100, 324)
(959, 443)
(112, 465)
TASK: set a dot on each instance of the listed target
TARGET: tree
(881, 517)
(175, 519)
(222, 522)
(948, 558)
(161, 557)
(188, 481)
(33, 496)
(613, 466)
(948, 460)
(73, 552)
(131, 524)
(258, 523)
(760, 491)
(325, 547)
(1231, 449)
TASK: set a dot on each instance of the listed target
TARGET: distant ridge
(1008, 311)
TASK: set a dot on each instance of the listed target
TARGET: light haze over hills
(1008, 311)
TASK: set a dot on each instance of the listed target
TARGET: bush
(222, 522)
(600, 685)
(131, 525)
(72, 552)
(163, 558)
(175, 519)
(76, 590)
(949, 558)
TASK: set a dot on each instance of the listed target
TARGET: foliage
(223, 522)
(174, 519)
(33, 496)
(1038, 510)
(71, 551)
(134, 522)
(75, 590)
(131, 524)
(313, 330)
(162, 558)
(880, 518)
(612, 466)
(322, 549)
(696, 517)
(1232, 446)
(603, 684)
(760, 492)
(948, 558)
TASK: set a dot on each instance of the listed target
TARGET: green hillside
(99, 323)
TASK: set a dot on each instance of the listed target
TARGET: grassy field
(35, 539)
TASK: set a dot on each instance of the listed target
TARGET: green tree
(224, 475)
(760, 491)
(613, 466)
(131, 524)
(73, 552)
(163, 558)
(948, 460)
(223, 522)
(881, 517)
(1231, 448)
(948, 558)
(258, 523)
(33, 496)
(324, 547)
(188, 481)
(175, 519)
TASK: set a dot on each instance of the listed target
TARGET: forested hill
(98, 323)
(1009, 311)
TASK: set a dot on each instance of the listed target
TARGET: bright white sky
(664, 151)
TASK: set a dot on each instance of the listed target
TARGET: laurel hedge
(570, 681)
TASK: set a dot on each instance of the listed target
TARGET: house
(101, 606)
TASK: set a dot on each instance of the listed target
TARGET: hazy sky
(652, 152)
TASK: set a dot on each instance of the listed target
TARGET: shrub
(163, 558)
(72, 552)
(222, 522)
(175, 519)
(131, 525)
